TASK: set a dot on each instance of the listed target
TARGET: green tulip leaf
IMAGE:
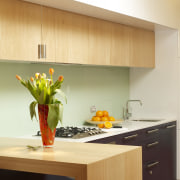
(53, 116)
(61, 108)
(32, 110)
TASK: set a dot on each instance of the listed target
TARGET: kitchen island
(82, 161)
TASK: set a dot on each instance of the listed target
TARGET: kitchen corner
(110, 54)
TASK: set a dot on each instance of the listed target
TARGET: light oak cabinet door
(20, 31)
(142, 48)
(78, 39)
(120, 45)
(71, 38)
(62, 29)
(48, 33)
(99, 42)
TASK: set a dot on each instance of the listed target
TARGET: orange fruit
(105, 113)
(98, 118)
(99, 113)
(101, 125)
(104, 119)
(108, 125)
(111, 118)
(95, 118)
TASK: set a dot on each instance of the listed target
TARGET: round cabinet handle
(152, 164)
(130, 137)
(171, 126)
(150, 172)
(152, 144)
(152, 131)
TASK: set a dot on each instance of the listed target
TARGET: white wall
(158, 88)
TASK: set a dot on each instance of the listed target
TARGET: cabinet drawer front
(169, 126)
(150, 145)
(132, 138)
(151, 170)
(153, 132)
(151, 149)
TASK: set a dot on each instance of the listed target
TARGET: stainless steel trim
(152, 164)
(130, 137)
(152, 144)
(152, 131)
(171, 126)
(39, 51)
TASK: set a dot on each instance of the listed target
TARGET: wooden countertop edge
(41, 166)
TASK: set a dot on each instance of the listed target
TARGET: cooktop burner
(75, 132)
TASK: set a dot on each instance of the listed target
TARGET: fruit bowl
(117, 121)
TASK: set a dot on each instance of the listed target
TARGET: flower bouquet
(50, 109)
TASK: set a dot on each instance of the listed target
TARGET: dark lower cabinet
(13, 175)
(158, 149)
(168, 151)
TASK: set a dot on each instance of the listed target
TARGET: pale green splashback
(105, 87)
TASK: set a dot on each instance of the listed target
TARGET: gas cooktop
(75, 132)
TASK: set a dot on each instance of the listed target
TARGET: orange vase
(46, 134)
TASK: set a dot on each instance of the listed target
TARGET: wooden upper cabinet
(120, 45)
(70, 37)
(48, 32)
(142, 48)
(20, 31)
(99, 42)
